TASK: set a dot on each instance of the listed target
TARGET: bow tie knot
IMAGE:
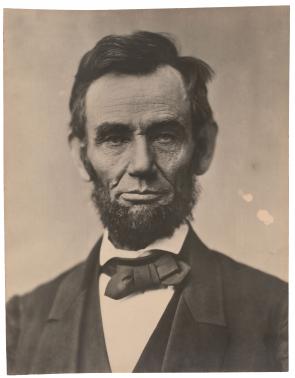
(129, 276)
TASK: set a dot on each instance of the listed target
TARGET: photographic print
(146, 190)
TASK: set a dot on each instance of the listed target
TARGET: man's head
(141, 130)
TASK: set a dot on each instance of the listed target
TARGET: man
(151, 297)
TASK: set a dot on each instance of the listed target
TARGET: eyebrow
(171, 124)
(106, 128)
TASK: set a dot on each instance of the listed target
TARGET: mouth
(145, 196)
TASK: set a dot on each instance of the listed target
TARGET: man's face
(140, 143)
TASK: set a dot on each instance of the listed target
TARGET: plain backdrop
(50, 223)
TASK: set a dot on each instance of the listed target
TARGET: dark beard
(138, 226)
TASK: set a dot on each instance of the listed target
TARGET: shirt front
(129, 322)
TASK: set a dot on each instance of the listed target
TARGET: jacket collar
(75, 284)
(203, 293)
(198, 337)
(58, 349)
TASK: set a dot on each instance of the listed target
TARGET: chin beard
(137, 226)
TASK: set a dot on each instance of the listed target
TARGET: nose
(141, 158)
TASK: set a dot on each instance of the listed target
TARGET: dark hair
(139, 53)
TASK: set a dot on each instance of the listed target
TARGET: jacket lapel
(199, 335)
(93, 355)
(58, 350)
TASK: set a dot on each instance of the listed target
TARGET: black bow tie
(160, 269)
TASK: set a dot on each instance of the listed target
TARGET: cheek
(108, 167)
(174, 164)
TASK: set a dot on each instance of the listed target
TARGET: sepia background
(50, 223)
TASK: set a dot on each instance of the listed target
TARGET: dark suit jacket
(229, 317)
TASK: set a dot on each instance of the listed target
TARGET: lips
(141, 196)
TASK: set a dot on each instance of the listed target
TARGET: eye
(165, 138)
(116, 140)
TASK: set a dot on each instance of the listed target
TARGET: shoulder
(38, 301)
(255, 306)
(26, 314)
(239, 273)
(240, 283)
(245, 286)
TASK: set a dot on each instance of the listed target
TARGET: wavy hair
(139, 53)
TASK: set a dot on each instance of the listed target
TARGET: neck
(134, 246)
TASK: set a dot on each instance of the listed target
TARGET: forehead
(137, 99)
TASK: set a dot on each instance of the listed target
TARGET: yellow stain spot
(265, 217)
(247, 197)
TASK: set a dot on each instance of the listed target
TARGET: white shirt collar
(172, 244)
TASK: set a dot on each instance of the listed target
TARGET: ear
(205, 146)
(76, 147)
